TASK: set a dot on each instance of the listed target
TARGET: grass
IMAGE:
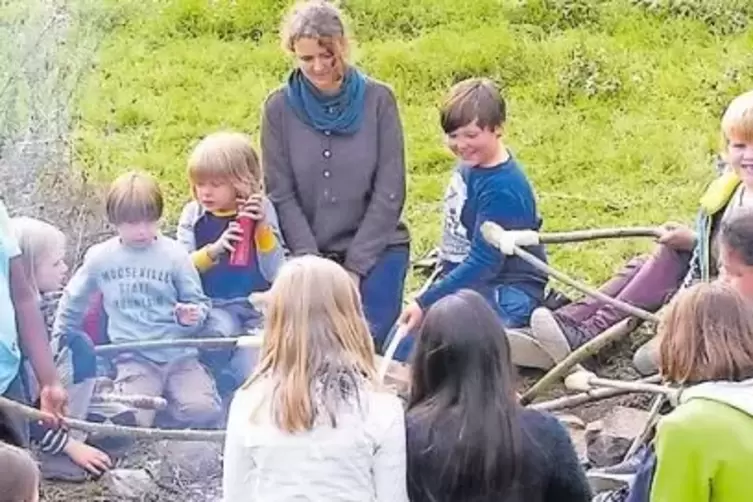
(614, 105)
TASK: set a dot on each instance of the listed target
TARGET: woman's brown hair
(707, 334)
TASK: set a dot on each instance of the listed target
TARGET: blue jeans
(513, 305)
(382, 291)
(230, 318)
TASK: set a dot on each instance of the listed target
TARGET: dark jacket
(550, 471)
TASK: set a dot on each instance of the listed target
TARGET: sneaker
(601, 482)
(628, 466)
(112, 445)
(526, 351)
(550, 333)
(617, 476)
(612, 496)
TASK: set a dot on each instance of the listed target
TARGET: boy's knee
(200, 409)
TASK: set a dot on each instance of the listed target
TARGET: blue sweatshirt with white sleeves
(501, 194)
(140, 289)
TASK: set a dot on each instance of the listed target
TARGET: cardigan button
(327, 132)
(327, 154)
(326, 174)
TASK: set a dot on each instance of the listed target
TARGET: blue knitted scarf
(340, 113)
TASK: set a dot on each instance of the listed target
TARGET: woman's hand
(411, 316)
(677, 236)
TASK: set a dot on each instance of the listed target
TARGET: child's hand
(252, 207)
(677, 236)
(53, 402)
(187, 314)
(226, 243)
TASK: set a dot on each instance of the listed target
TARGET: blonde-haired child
(226, 182)
(19, 476)
(64, 455)
(150, 291)
(313, 422)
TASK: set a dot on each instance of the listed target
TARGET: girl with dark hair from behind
(468, 438)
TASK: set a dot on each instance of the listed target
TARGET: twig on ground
(586, 397)
(588, 349)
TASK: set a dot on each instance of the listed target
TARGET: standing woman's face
(318, 64)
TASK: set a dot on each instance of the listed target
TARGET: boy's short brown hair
(476, 99)
(706, 334)
(134, 197)
(226, 157)
(19, 476)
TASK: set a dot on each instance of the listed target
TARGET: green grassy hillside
(614, 105)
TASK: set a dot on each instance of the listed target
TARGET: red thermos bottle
(244, 248)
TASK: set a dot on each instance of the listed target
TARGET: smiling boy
(490, 186)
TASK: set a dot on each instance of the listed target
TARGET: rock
(130, 484)
(189, 461)
(608, 439)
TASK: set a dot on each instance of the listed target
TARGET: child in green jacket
(704, 447)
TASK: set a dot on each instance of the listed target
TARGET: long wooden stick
(494, 234)
(202, 343)
(586, 397)
(118, 430)
(588, 349)
(633, 386)
(599, 233)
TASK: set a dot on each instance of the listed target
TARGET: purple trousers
(645, 282)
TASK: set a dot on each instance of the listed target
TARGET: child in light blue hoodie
(150, 291)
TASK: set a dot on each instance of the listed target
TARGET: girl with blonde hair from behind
(313, 421)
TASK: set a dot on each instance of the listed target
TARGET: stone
(189, 461)
(130, 484)
(608, 439)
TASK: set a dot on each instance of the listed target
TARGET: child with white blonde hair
(226, 182)
(313, 422)
(64, 454)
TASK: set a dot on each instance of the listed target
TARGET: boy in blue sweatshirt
(225, 177)
(150, 291)
(489, 185)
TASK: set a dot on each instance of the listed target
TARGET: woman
(468, 439)
(313, 423)
(334, 162)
